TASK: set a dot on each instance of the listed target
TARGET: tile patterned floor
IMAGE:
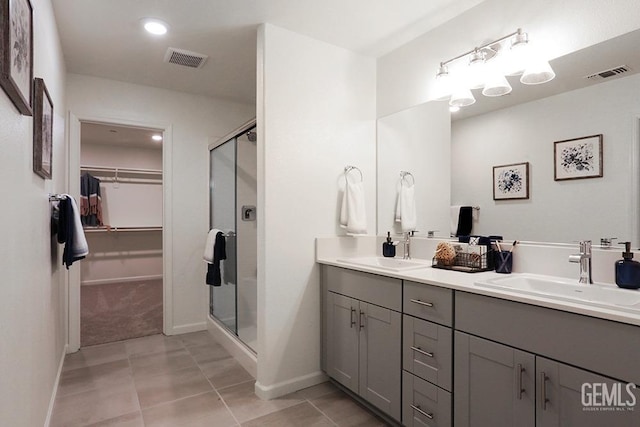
(185, 381)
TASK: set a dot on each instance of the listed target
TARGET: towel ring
(405, 174)
(348, 169)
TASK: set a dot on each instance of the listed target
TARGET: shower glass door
(222, 299)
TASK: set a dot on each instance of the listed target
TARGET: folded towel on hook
(218, 253)
(353, 214)
(406, 212)
(70, 231)
(461, 220)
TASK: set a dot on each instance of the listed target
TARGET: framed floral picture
(578, 158)
(511, 181)
(42, 130)
(16, 52)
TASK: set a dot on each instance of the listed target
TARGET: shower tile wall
(118, 311)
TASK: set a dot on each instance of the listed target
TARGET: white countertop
(461, 281)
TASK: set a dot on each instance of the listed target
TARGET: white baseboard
(54, 392)
(285, 387)
(233, 345)
(185, 329)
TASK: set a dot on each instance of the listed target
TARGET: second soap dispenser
(628, 270)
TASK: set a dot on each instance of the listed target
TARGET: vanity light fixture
(155, 26)
(487, 67)
(157, 138)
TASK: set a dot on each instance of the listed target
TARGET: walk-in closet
(121, 292)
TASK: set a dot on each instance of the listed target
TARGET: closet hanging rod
(118, 169)
(117, 229)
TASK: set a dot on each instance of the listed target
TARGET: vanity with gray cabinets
(427, 355)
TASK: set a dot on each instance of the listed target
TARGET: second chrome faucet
(584, 258)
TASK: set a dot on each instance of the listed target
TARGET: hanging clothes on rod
(90, 200)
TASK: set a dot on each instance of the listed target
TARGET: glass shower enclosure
(232, 198)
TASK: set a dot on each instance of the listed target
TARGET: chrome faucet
(584, 258)
(407, 242)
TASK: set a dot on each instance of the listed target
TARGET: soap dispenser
(628, 270)
(388, 247)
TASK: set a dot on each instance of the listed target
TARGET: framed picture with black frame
(578, 158)
(511, 182)
(16, 53)
(42, 130)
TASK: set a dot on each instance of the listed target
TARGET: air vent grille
(185, 58)
(612, 72)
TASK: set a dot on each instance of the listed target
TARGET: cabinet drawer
(424, 404)
(379, 290)
(428, 302)
(427, 351)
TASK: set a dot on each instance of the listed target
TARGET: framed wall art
(42, 130)
(578, 158)
(16, 52)
(511, 181)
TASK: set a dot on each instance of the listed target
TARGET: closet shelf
(121, 229)
(116, 170)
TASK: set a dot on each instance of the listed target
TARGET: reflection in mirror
(415, 140)
(523, 128)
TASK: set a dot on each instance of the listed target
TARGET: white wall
(194, 119)
(316, 114)
(555, 211)
(32, 320)
(406, 75)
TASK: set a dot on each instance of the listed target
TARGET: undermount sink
(391, 264)
(567, 290)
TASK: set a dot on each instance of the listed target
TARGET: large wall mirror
(520, 128)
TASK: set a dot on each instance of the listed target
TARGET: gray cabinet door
(572, 397)
(342, 340)
(493, 384)
(380, 363)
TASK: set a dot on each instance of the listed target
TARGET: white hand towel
(353, 213)
(208, 247)
(455, 214)
(80, 247)
(406, 212)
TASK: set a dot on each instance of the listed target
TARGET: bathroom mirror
(523, 128)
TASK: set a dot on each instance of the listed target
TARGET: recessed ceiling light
(155, 26)
(454, 108)
(157, 137)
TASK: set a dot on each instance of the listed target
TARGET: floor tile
(197, 338)
(152, 344)
(225, 372)
(133, 419)
(161, 363)
(89, 407)
(95, 355)
(202, 410)
(344, 411)
(171, 386)
(95, 376)
(318, 390)
(208, 352)
(302, 414)
(245, 405)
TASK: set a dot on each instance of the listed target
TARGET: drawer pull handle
(543, 391)
(362, 320)
(425, 303)
(520, 388)
(353, 321)
(417, 408)
(421, 351)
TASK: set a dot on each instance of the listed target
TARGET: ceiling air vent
(611, 72)
(185, 58)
